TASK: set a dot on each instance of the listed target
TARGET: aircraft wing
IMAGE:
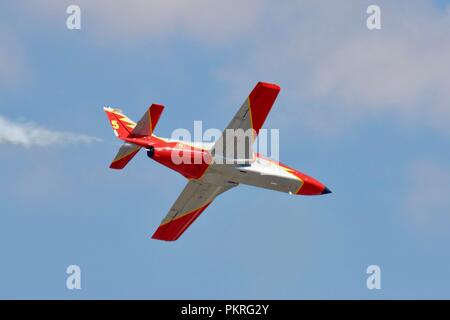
(249, 118)
(193, 200)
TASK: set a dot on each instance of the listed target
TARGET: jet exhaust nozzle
(150, 152)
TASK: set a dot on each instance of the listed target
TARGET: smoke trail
(29, 135)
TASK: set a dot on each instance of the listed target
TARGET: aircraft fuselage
(192, 160)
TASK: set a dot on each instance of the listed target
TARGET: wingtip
(270, 85)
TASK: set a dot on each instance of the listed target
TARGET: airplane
(209, 177)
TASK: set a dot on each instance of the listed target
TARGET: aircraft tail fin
(120, 123)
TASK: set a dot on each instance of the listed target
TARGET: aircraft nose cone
(326, 191)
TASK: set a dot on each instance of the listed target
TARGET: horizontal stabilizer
(148, 122)
(126, 152)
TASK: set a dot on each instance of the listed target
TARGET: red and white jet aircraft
(209, 177)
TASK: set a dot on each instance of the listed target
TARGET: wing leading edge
(193, 200)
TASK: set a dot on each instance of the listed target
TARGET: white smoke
(29, 135)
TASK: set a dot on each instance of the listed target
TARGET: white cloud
(211, 22)
(29, 135)
(334, 71)
(428, 202)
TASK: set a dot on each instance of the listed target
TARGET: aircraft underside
(210, 176)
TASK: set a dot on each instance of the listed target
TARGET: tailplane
(125, 128)
(126, 152)
(148, 122)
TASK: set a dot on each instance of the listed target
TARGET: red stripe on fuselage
(190, 161)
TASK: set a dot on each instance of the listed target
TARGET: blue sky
(366, 112)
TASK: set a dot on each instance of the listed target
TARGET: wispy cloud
(335, 71)
(211, 22)
(27, 135)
